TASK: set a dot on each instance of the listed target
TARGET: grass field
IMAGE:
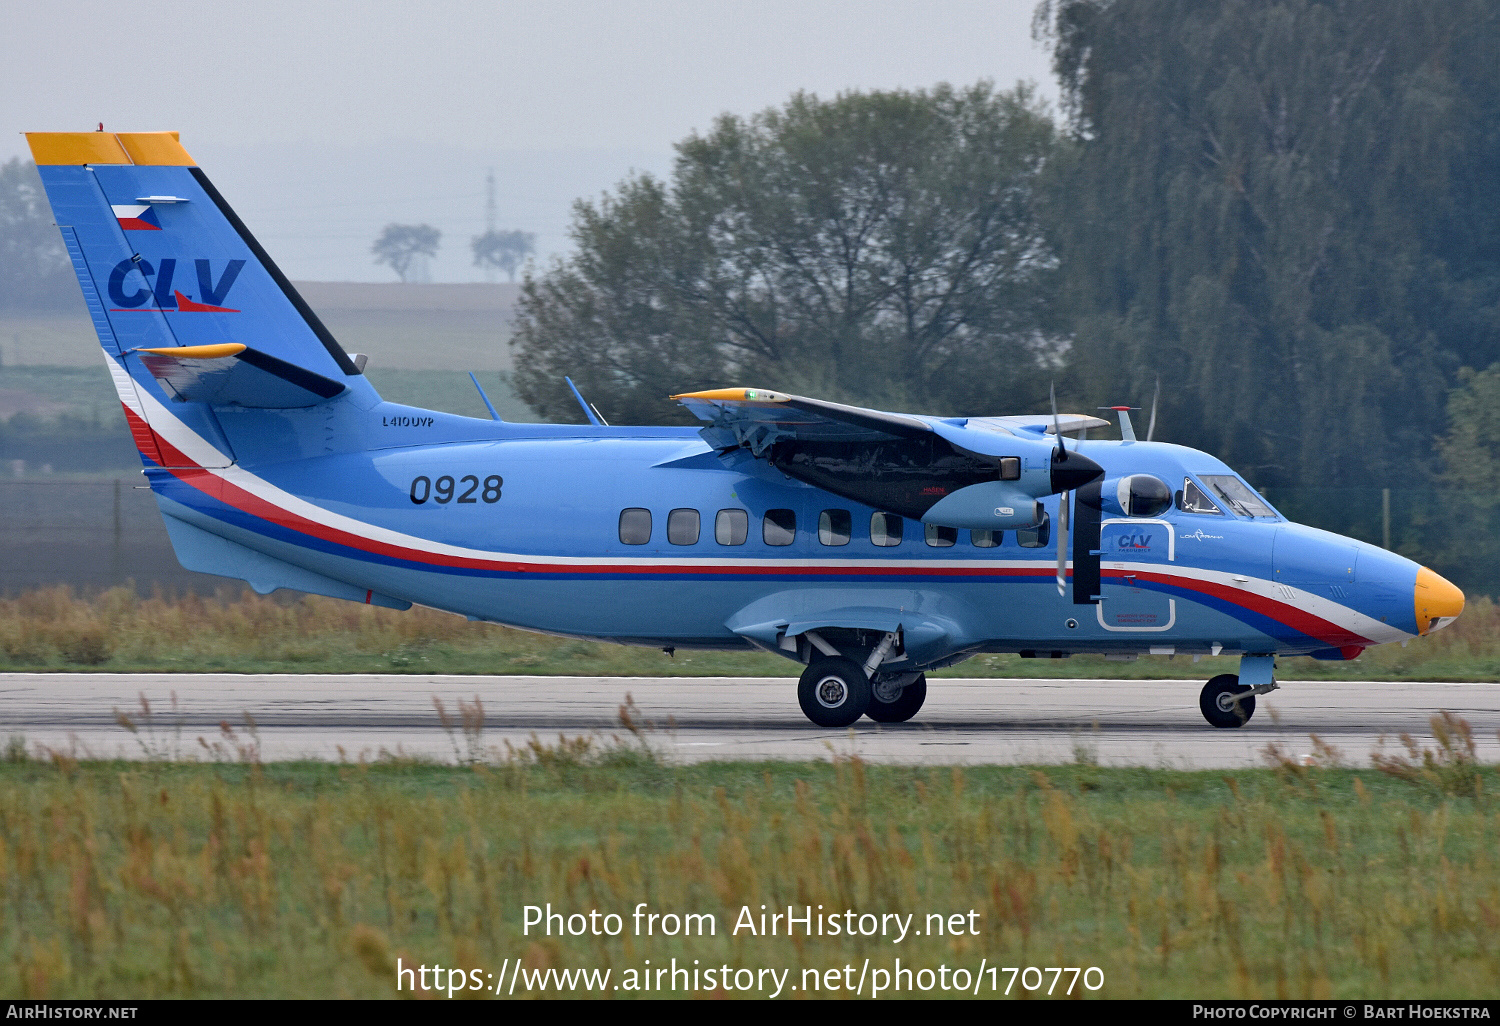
(308, 880)
(240, 632)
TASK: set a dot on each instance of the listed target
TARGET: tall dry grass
(310, 881)
(55, 628)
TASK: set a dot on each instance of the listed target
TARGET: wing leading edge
(984, 473)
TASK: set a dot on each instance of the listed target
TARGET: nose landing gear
(1227, 703)
(1228, 700)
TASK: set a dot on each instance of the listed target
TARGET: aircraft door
(1131, 598)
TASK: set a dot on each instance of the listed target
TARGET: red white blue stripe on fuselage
(239, 498)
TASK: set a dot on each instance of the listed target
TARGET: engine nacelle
(987, 506)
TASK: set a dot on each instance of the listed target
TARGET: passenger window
(940, 537)
(985, 539)
(834, 527)
(885, 529)
(1192, 500)
(731, 527)
(635, 526)
(1036, 537)
(779, 527)
(682, 527)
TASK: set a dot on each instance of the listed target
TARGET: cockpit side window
(1143, 495)
(1193, 500)
(1237, 495)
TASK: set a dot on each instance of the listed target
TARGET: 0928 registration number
(466, 489)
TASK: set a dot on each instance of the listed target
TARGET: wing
(957, 472)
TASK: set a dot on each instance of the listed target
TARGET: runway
(965, 721)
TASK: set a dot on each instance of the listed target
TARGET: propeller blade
(1151, 429)
(1069, 469)
(1062, 542)
(1087, 529)
(1062, 452)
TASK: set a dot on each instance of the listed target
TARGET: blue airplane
(868, 546)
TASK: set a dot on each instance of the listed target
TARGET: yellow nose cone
(1438, 602)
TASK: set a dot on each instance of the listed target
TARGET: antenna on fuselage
(588, 408)
(488, 405)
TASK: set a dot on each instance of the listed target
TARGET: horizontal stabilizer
(232, 374)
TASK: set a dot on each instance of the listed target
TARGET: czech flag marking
(136, 217)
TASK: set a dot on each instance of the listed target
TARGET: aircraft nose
(1438, 602)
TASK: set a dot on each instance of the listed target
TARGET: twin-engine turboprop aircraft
(868, 546)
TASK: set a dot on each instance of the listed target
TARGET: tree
(35, 273)
(506, 251)
(405, 248)
(878, 247)
(1460, 529)
(1275, 206)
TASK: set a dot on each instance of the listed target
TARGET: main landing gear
(1228, 700)
(836, 691)
(895, 698)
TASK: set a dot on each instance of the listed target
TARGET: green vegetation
(240, 632)
(882, 247)
(34, 269)
(309, 880)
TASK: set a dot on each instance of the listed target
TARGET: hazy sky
(321, 122)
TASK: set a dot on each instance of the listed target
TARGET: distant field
(86, 392)
(401, 327)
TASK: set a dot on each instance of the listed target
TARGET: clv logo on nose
(211, 294)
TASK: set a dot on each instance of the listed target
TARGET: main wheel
(834, 692)
(1219, 704)
(890, 703)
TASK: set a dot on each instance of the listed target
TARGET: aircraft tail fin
(172, 277)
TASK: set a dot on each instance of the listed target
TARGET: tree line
(1283, 211)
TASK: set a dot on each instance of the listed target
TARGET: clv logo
(1134, 541)
(211, 294)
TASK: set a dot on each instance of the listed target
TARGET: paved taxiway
(970, 721)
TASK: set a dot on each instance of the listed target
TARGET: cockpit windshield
(1237, 495)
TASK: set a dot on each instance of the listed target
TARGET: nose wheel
(1226, 703)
